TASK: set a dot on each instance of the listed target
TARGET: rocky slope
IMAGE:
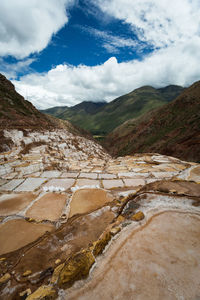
(173, 129)
(18, 113)
(101, 118)
(54, 111)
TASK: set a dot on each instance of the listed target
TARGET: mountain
(18, 113)
(102, 118)
(54, 111)
(173, 129)
(15, 111)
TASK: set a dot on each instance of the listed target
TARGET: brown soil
(40, 257)
(195, 174)
(87, 200)
(15, 234)
(48, 207)
(12, 203)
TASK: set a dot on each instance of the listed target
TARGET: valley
(78, 222)
(100, 118)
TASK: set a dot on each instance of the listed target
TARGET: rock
(172, 191)
(25, 293)
(100, 245)
(5, 278)
(30, 220)
(115, 230)
(2, 259)
(27, 273)
(138, 216)
(119, 220)
(130, 208)
(44, 292)
(56, 273)
(76, 268)
(57, 261)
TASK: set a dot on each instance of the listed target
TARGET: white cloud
(113, 43)
(157, 22)
(172, 29)
(68, 85)
(26, 26)
(11, 70)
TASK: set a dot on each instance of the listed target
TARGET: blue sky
(68, 51)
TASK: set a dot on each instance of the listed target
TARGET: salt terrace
(62, 196)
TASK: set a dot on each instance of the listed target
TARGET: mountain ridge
(18, 113)
(171, 130)
(110, 115)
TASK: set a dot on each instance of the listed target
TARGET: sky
(63, 52)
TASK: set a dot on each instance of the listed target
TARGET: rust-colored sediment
(15, 234)
(12, 203)
(87, 200)
(48, 207)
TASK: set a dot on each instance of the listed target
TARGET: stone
(76, 267)
(134, 182)
(100, 244)
(126, 174)
(127, 193)
(107, 176)
(57, 261)
(27, 273)
(25, 293)
(115, 183)
(44, 292)
(51, 174)
(172, 191)
(3, 181)
(59, 184)
(11, 185)
(56, 273)
(115, 230)
(30, 220)
(30, 184)
(5, 278)
(30, 168)
(195, 174)
(138, 216)
(88, 175)
(87, 182)
(2, 259)
(119, 220)
(70, 174)
(163, 175)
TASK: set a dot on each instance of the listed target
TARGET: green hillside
(102, 118)
(54, 111)
(173, 129)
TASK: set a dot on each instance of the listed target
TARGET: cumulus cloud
(172, 30)
(68, 85)
(26, 26)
